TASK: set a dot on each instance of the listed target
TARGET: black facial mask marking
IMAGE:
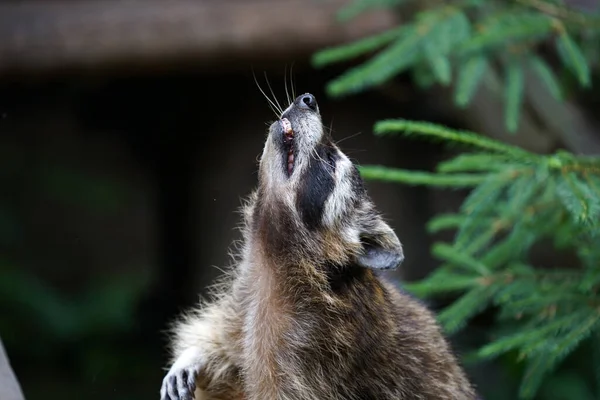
(317, 184)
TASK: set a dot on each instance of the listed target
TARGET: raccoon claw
(179, 384)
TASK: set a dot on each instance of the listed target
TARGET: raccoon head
(311, 203)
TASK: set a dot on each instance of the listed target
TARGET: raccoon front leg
(180, 382)
(205, 357)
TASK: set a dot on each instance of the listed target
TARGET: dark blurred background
(129, 132)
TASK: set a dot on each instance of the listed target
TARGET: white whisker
(285, 84)
(317, 156)
(273, 94)
(349, 137)
(272, 105)
(292, 81)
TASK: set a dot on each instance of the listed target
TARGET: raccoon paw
(179, 384)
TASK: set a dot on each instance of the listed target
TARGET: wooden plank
(46, 34)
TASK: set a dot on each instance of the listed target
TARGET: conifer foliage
(517, 200)
(456, 42)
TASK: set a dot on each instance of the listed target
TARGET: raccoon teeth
(288, 133)
(287, 127)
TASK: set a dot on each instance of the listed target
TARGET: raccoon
(306, 313)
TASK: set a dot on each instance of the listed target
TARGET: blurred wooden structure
(40, 35)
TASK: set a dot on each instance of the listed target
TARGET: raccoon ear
(381, 249)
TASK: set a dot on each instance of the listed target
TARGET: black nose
(307, 100)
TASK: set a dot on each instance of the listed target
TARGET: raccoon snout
(308, 101)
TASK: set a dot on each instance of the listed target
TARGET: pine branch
(433, 34)
(380, 173)
(521, 338)
(358, 48)
(455, 317)
(579, 198)
(444, 37)
(475, 162)
(518, 200)
(445, 221)
(508, 28)
(458, 259)
(560, 12)
(547, 357)
(391, 61)
(443, 281)
(465, 138)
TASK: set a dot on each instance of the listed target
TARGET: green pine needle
(475, 208)
(509, 28)
(469, 77)
(548, 357)
(579, 198)
(545, 73)
(445, 221)
(379, 173)
(442, 38)
(520, 194)
(358, 48)
(573, 58)
(470, 162)
(442, 281)
(391, 61)
(455, 317)
(513, 246)
(536, 370)
(433, 131)
(515, 341)
(442, 69)
(459, 259)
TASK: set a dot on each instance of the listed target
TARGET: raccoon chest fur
(310, 338)
(267, 320)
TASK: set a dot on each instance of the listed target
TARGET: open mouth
(288, 145)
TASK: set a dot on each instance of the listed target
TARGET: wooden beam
(49, 34)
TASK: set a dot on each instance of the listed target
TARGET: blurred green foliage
(76, 331)
(101, 307)
(546, 329)
(518, 200)
(458, 42)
